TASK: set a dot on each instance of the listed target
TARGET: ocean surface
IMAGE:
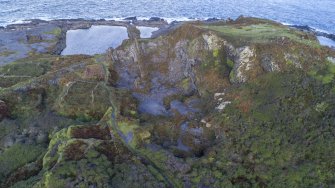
(319, 14)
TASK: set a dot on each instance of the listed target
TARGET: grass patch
(261, 33)
(32, 69)
(230, 63)
(7, 53)
(326, 75)
(31, 182)
(17, 156)
(57, 32)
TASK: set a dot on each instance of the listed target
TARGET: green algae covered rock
(93, 159)
(84, 100)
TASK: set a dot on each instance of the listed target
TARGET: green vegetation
(261, 33)
(159, 159)
(57, 32)
(25, 69)
(325, 75)
(16, 156)
(7, 53)
(104, 163)
(31, 182)
(216, 53)
(274, 135)
(128, 129)
(230, 63)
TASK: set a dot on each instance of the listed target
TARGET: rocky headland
(218, 103)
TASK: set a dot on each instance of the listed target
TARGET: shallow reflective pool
(95, 40)
(146, 32)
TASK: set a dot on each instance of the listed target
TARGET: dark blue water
(319, 14)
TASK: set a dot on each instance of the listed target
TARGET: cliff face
(207, 104)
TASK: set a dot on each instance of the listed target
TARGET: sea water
(319, 14)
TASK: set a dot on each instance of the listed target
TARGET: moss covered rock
(95, 158)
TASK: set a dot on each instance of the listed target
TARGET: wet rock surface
(239, 103)
(20, 43)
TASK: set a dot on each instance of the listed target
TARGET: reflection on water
(95, 40)
(146, 32)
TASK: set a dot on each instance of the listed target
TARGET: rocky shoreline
(151, 22)
(316, 32)
(217, 103)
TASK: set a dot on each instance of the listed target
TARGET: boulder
(156, 19)
(134, 18)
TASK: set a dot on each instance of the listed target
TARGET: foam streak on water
(319, 14)
(326, 41)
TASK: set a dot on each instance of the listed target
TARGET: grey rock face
(243, 63)
(8, 141)
(17, 44)
(331, 59)
(269, 64)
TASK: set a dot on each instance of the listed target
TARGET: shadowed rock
(4, 111)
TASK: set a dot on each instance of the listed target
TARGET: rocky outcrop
(144, 112)
(22, 42)
(213, 41)
(243, 64)
(91, 156)
(331, 59)
(269, 64)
